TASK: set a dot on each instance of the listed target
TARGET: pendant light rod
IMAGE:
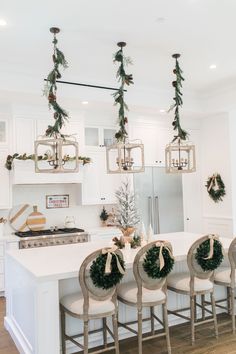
(86, 85)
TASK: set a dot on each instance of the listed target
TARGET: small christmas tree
(126, 213)
(104, 215)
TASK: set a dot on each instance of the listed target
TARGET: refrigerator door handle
(150, 211)
(157, 215)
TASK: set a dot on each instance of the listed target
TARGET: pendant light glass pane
(180, 157)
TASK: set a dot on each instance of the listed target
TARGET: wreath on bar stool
(209, 254)
(108, 269)
(215, 187)
(159, 261)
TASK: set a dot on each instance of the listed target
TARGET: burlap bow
(166, 245)
(213, 183)
(110, 252)
(212, 239)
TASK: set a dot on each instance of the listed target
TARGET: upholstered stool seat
(74, 303)
(128, 292)
(181, 282)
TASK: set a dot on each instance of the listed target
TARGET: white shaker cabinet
(24, 135)
(6, 243)
(154, 139)
(98, 187)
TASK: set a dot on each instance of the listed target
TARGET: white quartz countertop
(63, 262)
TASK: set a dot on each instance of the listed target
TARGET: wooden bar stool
(196, 282)
(146, 291)
(92, 303)
(225, 276)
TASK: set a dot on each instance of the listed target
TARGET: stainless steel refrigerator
(159, 199)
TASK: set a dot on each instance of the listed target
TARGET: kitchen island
(37, 278)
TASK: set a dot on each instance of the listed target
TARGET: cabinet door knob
(187, 218)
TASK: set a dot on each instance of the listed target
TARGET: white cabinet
(24, 135)
(5, 187)
(98, 187)
(154, 139)
(5, 245)
(104, 233)
(99, 136)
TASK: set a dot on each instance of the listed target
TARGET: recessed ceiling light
(212, 66)
(162, 111)
(84, 102)
(2, 22)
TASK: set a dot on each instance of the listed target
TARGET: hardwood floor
(180, 340)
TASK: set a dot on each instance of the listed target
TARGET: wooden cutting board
(36, 221)
(18, 216)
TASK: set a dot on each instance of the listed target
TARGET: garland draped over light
(178, 100)
(215, 187)
(50, 90)
(10, 159)
(124, 79)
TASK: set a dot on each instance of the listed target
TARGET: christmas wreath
(98, 274)
(206, 262)
(151, 265)
(215, 187)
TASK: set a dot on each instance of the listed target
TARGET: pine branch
(178, 101)
(124, 79)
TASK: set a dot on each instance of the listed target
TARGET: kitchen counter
(37, 278)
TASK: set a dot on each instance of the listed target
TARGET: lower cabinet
(5, 245)
(98, 187)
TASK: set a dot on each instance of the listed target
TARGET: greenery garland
(178, 100)
(45, 157)
(97, 272)
(203, 252)
(151, 266)
(50, 90)
(217, 193)
(124, 79)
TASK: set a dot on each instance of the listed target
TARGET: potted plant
(126, 213)
(104, 216)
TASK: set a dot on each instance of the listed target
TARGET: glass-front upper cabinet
(99, 136)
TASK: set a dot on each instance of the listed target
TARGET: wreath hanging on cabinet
(216, 187)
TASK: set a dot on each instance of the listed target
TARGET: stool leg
(203, 306)
(232, 308)
(104, 330)
(152, 319)
(214, 314)
(115, 332)
(86, 336)
(192, 316)
(165, 320)
(140, 331)
(63, 325)
(228, 300)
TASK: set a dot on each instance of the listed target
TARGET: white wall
(217, 217)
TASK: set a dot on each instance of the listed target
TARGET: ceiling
(203, 31)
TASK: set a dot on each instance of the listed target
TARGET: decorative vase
(127, 233)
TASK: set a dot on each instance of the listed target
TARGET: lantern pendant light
(125, 156)
(54, 145)
(180, 153)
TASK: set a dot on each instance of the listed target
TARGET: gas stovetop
(43, 238)
(48, 232)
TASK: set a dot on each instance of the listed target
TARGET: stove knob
(40, 244)
(71, 241)
(35, 244)
(29, 245)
